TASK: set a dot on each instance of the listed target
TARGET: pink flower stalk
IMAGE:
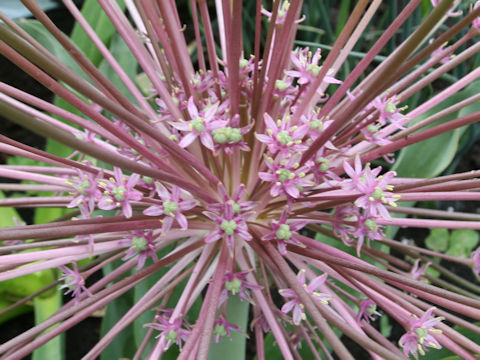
(421, 334)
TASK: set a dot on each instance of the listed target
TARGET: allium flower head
(206, 159)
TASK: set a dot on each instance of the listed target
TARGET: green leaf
(39, 33)
(464, 237)
(430, 157)
(127, 61)
(123, 346)
(234, 349)
(28, 284)
(44, 308)
(102, 26)
(437, 240)
(19, 310)
(7, 214)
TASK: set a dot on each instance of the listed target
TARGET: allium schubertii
(212, 184)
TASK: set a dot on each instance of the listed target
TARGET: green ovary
(172, 336)
(119, 193)
(284, 138)
(227, 135)
(169, 207)
(283, 232)
(284, 174)
(233, 286)
(197, 124)
(228, 226)
(139, 243)
(219, 329)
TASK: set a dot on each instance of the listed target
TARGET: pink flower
(287, 175)
(235, 284)
(282, 136)
(420, 334)
(416, 272)
(201, 125)
(143, 246)
(86, 192)
(74, 281)
(281, 15)
(375, 191)
(222, 327)
(118, 193)
(172, 331)
(387, 110)
(229, 224)
(294, 305)
(283, 232)
(171, 207)
(307, 67)
(476, 21)
(367, 310)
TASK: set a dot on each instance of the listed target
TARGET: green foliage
(237, 313)
(99, 21)
(437, 240)
(430, 157)
(45, 307)
(459, 243)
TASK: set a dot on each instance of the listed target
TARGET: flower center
(323, 164)
(228, 226)
(285, 174)
(390, 107)
(234, 286)
(316, 125)
(227, 135)
(169, 207)
(371, 224)
(219, 330)
(119, 192)
(378, 193)
(139, 243)
(172, 336)
(314, 69)
(197, 124)
(284, 138)
(283, 232)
